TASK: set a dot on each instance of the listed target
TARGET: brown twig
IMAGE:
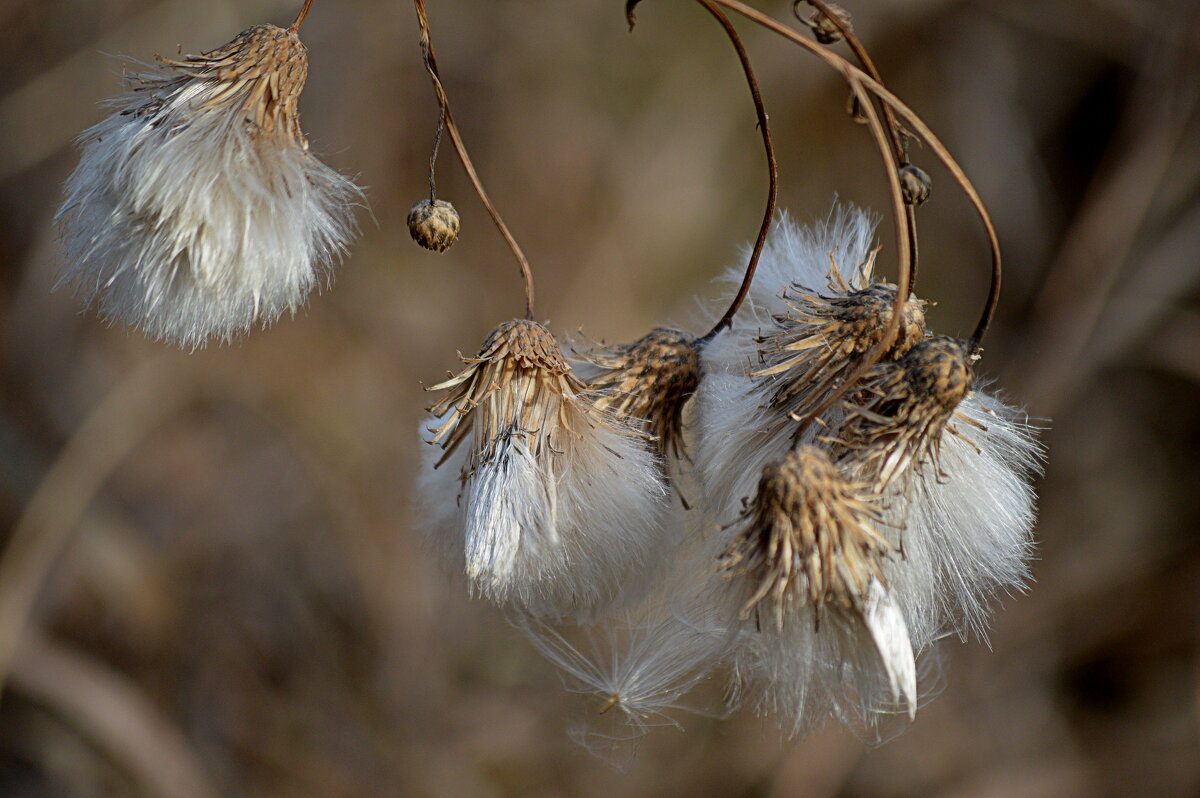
(927, 135)
(897, 135)
(461, 150)
(300, 17)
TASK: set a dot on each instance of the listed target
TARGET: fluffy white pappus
(738, 434)
(560, 533)
(196, 210)
(842, 667)
(638, 664)
(967, 532)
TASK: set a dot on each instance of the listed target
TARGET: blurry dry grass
(242, 605)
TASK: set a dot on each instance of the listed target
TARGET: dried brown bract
(816, 345)
(808, 537)
(522, 387)
(896, 416)
(650, 381)
(263, 70)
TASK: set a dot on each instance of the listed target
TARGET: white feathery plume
(553, 506)
(196, 210)
(957, 507)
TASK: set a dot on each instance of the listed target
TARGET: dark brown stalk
(896, 134)
(300, 17)
(772, 164)
(461, 150)
(932, 141)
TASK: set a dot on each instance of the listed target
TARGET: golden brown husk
(520, 384)
(649, 382)
(807, 538)
(896, 415)
(434, 224)
(262, 70)
(824, 338)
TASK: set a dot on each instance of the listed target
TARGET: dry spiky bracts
(808, 538)
(824, 337)
(196, 210)
(556, 503)
(434, 224)
(896, 416)
(808, 542)
(650, 381)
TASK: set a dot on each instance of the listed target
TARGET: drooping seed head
(896, 416)
(915, 184)
(808, 537)
(826, 30)
(649, 382)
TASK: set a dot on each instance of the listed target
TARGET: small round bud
(433, 224)
(825, 29)
(915, 184)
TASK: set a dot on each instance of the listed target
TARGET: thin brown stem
(934, 143)
(461, 150)
(300, 17)
(897, 136)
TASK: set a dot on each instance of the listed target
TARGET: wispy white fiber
(186, 219)
(558, 531)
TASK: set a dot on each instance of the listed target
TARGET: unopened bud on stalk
(915, 184)
(434, 224)
(825, 29)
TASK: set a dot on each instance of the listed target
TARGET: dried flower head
(825, 337)
(825, 29)
(196, 210)
(650, 381)
(807, 538)
(915, 184)
(896, 416)
(556, 502)
(434, 224)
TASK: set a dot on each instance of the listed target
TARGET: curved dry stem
(141, 402)
(931, 140)
(301, 16)
(768, 146)
(903, 278)
(897, 135)
(461, 149)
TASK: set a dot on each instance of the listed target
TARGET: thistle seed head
(434, 224)
(896, 416)
(823, 338)
(807, 538)
(261, 73)
(649, 382)
(196, 210)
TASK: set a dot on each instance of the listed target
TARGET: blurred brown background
(231, 596)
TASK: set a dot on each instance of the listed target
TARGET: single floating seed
(915, 184)
(434, 224)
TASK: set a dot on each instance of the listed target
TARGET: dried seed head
(826, 30)
(823, 339)
(262, 71)
(896, 416)
(649, 381)
(915, 184)
(434, 224)
(518, 382)
(808, 537)
(196, 210)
